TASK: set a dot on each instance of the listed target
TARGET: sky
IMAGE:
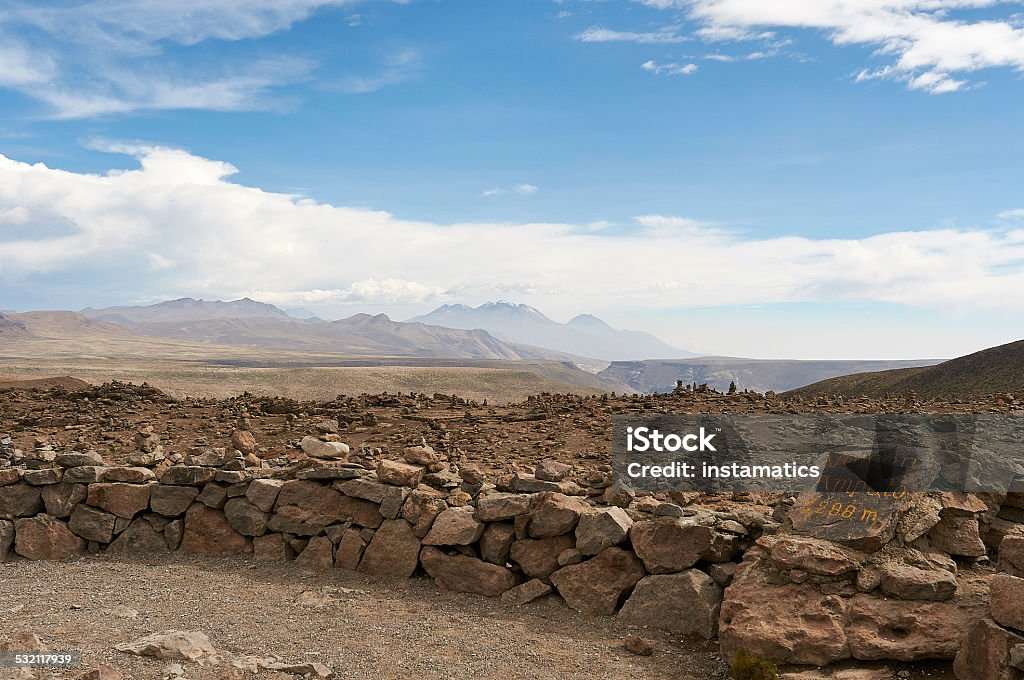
(784, 178)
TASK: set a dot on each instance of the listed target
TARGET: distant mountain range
(997, 369)
(249, 323)
(584, 335)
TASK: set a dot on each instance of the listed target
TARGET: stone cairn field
(811, 579)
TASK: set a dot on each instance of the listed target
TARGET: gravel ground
(359, 627)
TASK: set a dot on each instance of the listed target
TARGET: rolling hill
(997, 369)
(759, 375)
(584, 335)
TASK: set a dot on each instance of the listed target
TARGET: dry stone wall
(910, 584)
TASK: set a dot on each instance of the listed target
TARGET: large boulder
(600, 529)
(305, 507)
(686, 603)
(390, 498)
(120, 498)
(20, 500)
(393, 550)
(455, 526)
(45, 538)
(188, 475)
(208, 532)
(351, 548)
(871, 523)
(597, 586)
(318, 554)
(669, 545)
(466, 574)
(879, 628)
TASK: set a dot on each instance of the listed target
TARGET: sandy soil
(375, 629)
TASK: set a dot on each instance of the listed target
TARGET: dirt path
(365, 628)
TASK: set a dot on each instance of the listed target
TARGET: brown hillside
(998, 369)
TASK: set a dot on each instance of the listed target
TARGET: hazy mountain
(300, 313)
(760, 375)
(997, 369)
(249, 323)
(585, 335)
(186, 309)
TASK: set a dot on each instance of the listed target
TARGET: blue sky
(817, 161)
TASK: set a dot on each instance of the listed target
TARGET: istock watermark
(849, 453)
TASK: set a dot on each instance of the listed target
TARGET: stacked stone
(994, 647)
(862, 576)
(814, 589)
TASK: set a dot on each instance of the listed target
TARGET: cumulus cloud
(930, 45)
(178, 225)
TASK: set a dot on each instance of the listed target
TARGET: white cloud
(398, 67)
(672, 69)
(521, 189)
(1016, 214)
(178, 225)
(931, 44)
(101, 57)
(596, 34)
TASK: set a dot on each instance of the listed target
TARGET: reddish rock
(140, 537)
(985, 653)
(957, 536)
(393, 551)
(351, 548)
(318, 554)
(550, 470)
(525, 593)
(399, 474)
(242, 440)
(635, 644)
(495, 507)
(496, 542)
(305, 507)
(188, 475)
(455, 526)
(787, 623)
(670, 545)
(600, 529)
(271, 548)
(1011, 555)
(538, 557)
(687, 603)
(910, 631)
(246, 518)
(92, 524)
(812, 555)
(207, 532)
(45, 538)
(60, 499)
(465, 574)
(263, 493)
(913, 583)
(172, 501)
(1007, 596)
(20, 500)
(122, 499)
(597, 587)
(6, 538)
(554, 514)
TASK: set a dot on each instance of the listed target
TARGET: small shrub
(746, 666)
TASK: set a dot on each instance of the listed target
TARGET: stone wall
(779, 582)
